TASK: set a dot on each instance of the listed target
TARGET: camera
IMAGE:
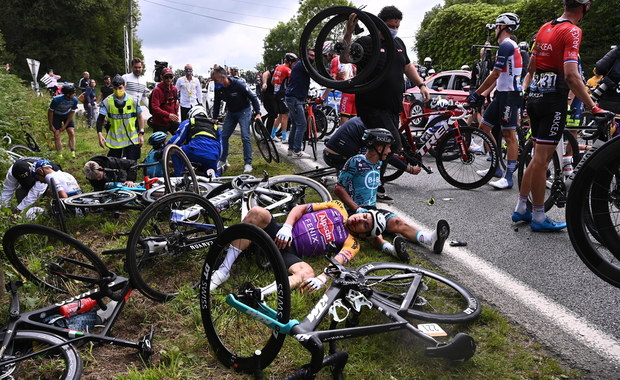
(159, 66)
(604, 84)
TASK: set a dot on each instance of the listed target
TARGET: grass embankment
(504, 351)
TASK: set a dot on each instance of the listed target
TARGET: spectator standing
(295, 97)
(279, 80)
(84, 81)
(106, 89)
(90, 105)
(136, 83)
(60, 117)
(165, 104)
(51, 81)
(239, 100)
(190, 92)
(258, 85)
(126, 133)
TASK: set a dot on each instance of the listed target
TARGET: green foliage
(70, 36)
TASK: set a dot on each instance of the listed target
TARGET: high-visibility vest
(122, 131)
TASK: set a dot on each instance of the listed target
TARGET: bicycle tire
(438, 299)
(31, 143)
(333, 120)
(234, 336)
(101, 199)
(272, 145)
(392, 173)
(186, 177)
(590, 191)
(320, 120)
(58, 207)
(463, 173)
(52, 259)
(304, 190)
(261, 141)
(153, 194)
(22, 150)
(312, 135)
(168, 243)
(47, 365)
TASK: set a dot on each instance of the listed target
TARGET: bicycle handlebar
(600, 121)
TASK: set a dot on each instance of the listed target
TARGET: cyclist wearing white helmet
(199, 138)
(357, 188)
(503, 111)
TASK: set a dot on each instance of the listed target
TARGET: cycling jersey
(64, 181)
(279, 78)
(322, 228)
(361, 178)
(341, 71)
(60, 105)
(510, 63)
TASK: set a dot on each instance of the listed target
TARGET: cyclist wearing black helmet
(279, 79)
(357, 188)
(60, 117)
(19, 181)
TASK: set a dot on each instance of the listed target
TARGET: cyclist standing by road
(503, 111)
(90, 105)
(357, 188)
(553, 71)
(380, 107)
(295, 97)
(60, 117)
(279, 80)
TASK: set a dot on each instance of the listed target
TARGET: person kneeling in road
(357, 188)
(303, 234)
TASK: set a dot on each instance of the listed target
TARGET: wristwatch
(141, 132)
(422, 85)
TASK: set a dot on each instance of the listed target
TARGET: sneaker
(284, 141)
(400, 245)
(527, 217)
(300, 154)
(217, 279)
(59, 155)
(223, 164)
(73, 154)
(501, 183)
(247, 168)
(385, 199)
(275, 139)
(475, 148)
(498, 173)
(441, 235)
(289, 153)
(547, 226)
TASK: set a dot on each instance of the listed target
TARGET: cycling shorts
(281, 107)
(58, 120)
(289, 254)
(347, 105)
(380, 118)
(333, 160)
(547, 117)
(503, 110)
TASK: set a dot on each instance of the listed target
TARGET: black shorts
(58, 120)
(380, 118)
(547, 117)
(503, 110)
(289, 254)
(281, 107)
(336, 161)
(269, 102)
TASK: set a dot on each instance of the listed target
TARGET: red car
(451, 85)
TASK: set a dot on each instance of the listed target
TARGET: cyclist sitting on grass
(309, 230)
(357, 188)
(66, 184)
(95, 172)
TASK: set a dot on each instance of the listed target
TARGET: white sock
(521, 207)
(426, 237)
(388, 248)
(231, 255)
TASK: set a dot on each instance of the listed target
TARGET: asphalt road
(536, 279)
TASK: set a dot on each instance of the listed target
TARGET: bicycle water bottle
(567, 165)
(80, 306)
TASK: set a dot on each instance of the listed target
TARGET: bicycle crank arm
(267, 320)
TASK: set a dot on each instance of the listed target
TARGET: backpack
(154, 155)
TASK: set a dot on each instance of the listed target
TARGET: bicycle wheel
(460, 172)
(32, 143)
(312, 135)
(272, 145)
(153, 194)
(63, 362)
(52, 259)
(333, 120)
(261, 140)
(59, 209)
(391, 173)
(21, 150)
(321, 122)
(280, 194)
(179, 173)
(101, 199)
(437, 299)
(233, 335)
(596, 190)
(168, 243)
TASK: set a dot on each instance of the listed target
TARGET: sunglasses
(168, 76)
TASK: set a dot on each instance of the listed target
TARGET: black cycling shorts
(58, 120)
(547, 116)
(289, 254)
(503, 110)
(380, 118)
(281, 107)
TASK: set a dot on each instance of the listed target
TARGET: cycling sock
(426, 237)
(274, 130)
(231, 255)
(521, 207)
(388, 248)
(510, 168)
(538, 213)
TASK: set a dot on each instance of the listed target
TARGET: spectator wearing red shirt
(165, 104)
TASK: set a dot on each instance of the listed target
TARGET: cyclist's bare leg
(535, 177)
(71, 133)
(298, 273)
(58, 141)
(397, 225)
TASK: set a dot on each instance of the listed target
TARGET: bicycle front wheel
(313, 137)
(179, 174)
(52, 259)
(261, 140)
(234, 335)
(59, 209)
(101, 199)
(63, 362)
(283, 192)
(437, 298)
(462, 169)
(168, 243)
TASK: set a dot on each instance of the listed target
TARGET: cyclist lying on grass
(309, 230)
(357, 188)
(95, 172)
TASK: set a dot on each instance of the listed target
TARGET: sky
(184, 31)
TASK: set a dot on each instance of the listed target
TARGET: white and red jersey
(280, 77)
(341, 71)
(510, 63)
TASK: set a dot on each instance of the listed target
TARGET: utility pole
(130, 30)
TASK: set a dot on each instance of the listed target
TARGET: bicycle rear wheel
(437, 299)
(63, 362)
(52, 259)
(333, 120)
(312, 135)
(168, 243)
(301, 190)
(233, 335)
(261, 140)
(463, 172)
(179, 174)
(59, 209)
(101, 199)
(21, 150)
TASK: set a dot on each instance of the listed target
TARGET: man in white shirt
(190, 92)
(135, 83)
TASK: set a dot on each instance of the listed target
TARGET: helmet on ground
(68, 89)
(118, 80)
(41, 163)
(465, 67)
(378, 223)
(428, 59)
(442, 104)
(197, 110)
(511, 20)
(157, 138)
(377, 137)
(290, 57)
(166, 71)
(328, 47)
